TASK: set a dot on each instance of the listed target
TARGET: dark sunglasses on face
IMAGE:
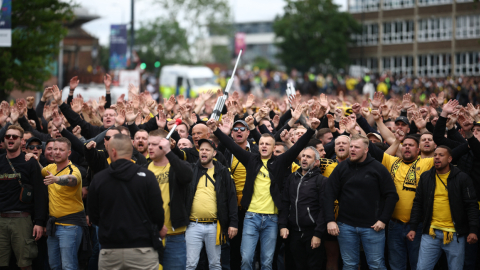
(239, 128)
(107, 138)
(31, 147)
(11, 136)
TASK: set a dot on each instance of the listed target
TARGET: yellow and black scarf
(410, 182)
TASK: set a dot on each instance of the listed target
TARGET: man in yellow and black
(262, 192)
(199, 131)
(21, 221)
(173, 176)
(212, 204)
(67, 226)
(446, 203)
(240, 134)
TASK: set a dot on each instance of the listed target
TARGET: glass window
(398, 32)
(370, 63)
(400, 65)
(395, 4)
(364, 5)
(369, 36)
(434, 65)
(434, 29)
(433, 2)
(468, 27)
(467, 63)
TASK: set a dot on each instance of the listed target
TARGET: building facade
(434, 38)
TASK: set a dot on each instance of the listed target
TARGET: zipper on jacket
(308, 209)
(296, 203)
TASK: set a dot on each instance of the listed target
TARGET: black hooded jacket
(365, 193)
(120, 216)
(461, 196)
(302, 202)
(225, 191)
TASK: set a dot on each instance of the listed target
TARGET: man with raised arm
(262, 192)
(67, 223)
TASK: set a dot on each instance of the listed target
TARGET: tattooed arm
(64, 180)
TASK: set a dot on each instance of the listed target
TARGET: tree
(37, 29)
(199, 18)
(162, 40)
(314, 33)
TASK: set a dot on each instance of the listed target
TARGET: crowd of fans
(379, 174)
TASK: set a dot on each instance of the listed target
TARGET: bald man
(199, 131)
(120, 197)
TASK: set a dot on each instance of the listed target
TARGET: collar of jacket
(312, 171)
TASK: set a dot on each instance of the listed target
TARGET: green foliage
(37, 29)
(263, 63)
(163, 41)
(314, 33)
(221, 54)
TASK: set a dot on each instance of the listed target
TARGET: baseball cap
(33, 139)
(376, 135)
(207, 141)
(241, 122)
(403, 119)
(476, 124)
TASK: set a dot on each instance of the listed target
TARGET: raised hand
(181, 100)
(250, 122)
(22, 107)
(465, 123)
(450, 107)
(333, 105)
(47, 94)
(77, 131)
(57, 95)
(120, 118)
(276, 120)
(314, 123)
(406, 102)
(365, 112)
(47, 112)
(91, 144)
(14, 114)
(161, 119)
(376, 115)
(400, 135)
(378, 99)
(57, 120)
(74, 83)
(76, 104)
(250, 101)
(132, 90)
(356, 108)
(323, 101)
(331, 123)
(385, 110)
(419, 121)
(169, 104)
(212, 124)
(107, 81)
(472, 110)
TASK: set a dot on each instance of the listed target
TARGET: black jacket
(365, 193)
(97, 159)
(180, 176)
(225, 192)
(277, 166)
(461, 196)
(120, 216)
(302, 202)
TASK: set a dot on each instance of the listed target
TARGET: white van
(186, 80)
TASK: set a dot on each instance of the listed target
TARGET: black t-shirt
(29, 173)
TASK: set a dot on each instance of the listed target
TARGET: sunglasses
(11, 136)
(239, 128)
(107, 138)
(31, 147)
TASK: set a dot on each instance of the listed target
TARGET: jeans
(471, 251)
(373, 244)
(175, 253)
(431, 249)
(63, 247)
(198, 233)
(93, 262)
(399, 246)
(235, 243)
(259, 226)
(225, 257)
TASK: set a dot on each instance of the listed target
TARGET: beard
(343, 155)
(206, 162)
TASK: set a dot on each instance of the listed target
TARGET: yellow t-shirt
(405, 177)
(64, 200)
(262, 201)
(204, 206)
(239, 174)
(442, 217)
(161, 173)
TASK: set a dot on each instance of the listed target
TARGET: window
(434, 65)
(461, 1)
(468, 27)
(467, 63)
(364, 6)
(370, 63)
(394, 4)
(400, 65)
(398, 32)
(433, 2)
(435, 29)
(369, 36)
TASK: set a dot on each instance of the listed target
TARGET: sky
(118, 12)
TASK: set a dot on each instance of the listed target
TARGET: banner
(240, 42)
(118, 46)
(6, 23)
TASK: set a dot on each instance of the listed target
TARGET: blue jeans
(93, 261)
(197, 234)
(175, 254)
(399, 246)
(259, 226)
(63, 247)
(431, 250)
(373, 243)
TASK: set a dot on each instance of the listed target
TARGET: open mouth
(437, 163)
(239, 136)
(10, 143)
